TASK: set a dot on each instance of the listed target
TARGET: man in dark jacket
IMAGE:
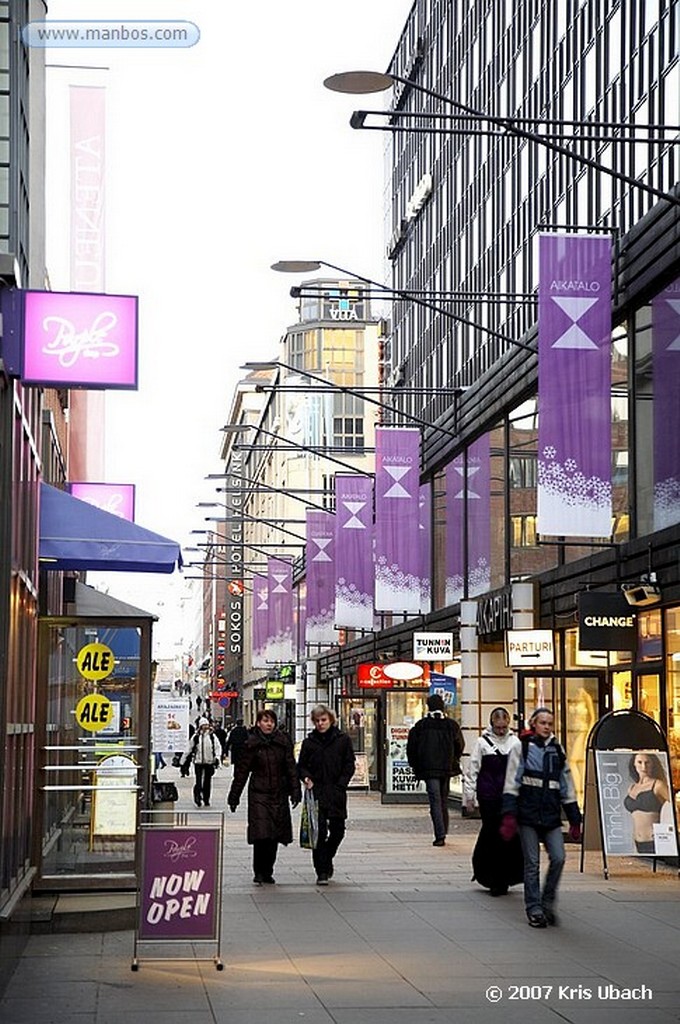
(538, 785)
(326, 765)
(433, 750)
(236, 741)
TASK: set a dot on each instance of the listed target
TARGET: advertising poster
(170, 724)
(635, 796)
(400, 777)
(179, 892)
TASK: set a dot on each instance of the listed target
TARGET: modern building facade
(469, 198)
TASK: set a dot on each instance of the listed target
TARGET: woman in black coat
(267, 758)
(326, 765)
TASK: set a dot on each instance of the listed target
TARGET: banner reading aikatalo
(320, 559)
(574, 386)
(397, 516)
(353, 552)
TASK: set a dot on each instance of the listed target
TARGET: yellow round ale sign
(94, 712)
(95, 662)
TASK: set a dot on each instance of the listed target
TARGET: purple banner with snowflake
(353, 551)
(455, 530)
(574, 386)
(397, 555)
(425, 546)
(260, 621)
(666, 382)
(478, 478)
(280, 615)
(320, 565)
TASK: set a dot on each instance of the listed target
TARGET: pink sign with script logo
(80, 340)
(118, 499)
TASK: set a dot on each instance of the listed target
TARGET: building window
(523, 531)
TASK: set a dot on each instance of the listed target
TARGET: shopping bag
(309, 822)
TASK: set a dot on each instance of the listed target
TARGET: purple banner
(354, 552)
(425, 546)
(397, 555)
(574, 386)
(455, 530)
(180, 892)
(280, 615)
(260, 621)
(320, 563)
(666, 378)
(300, 616)
(479, 516)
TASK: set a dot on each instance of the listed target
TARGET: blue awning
(77, 535)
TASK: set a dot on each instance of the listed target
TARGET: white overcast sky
(221, 159)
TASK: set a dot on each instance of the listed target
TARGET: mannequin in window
(581, 721)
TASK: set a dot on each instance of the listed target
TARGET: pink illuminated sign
(118, 499)
(76, 340)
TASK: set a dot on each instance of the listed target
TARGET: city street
(401, 935)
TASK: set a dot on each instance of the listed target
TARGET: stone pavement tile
(481, 1012)
(228, 995)
(35, 971)
(275, 1015)
(359, 995)
(418, 966)
(61, 1002)
(117, 1015)
(614, 1013)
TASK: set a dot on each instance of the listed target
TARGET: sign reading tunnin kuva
(432, 646)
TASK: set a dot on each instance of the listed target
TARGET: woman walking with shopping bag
(267, 759)
(326, 765)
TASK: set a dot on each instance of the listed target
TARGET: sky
(222, 158)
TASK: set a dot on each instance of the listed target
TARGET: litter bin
(163, 798)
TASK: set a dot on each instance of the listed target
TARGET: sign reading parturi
(529, 647)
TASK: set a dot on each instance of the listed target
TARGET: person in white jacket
(203, 750)
(496, 864)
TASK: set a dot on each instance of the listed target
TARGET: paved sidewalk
(401, 936)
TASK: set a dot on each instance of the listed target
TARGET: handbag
(163, 792)
(176, 758)
(309, 821)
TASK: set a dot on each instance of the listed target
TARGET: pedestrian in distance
(203, 751)
(236, 741)
(326, 766)
(267, 760)
(496, 864)
(433, 749)
(538, 787)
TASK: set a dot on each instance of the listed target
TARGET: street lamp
(306, 266)
(237, 428)
(357, 392)
(366, 82)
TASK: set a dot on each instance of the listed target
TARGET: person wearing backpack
(496, 864)
(203, 751)
(538, 787)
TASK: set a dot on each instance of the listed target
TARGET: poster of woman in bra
(636, 809)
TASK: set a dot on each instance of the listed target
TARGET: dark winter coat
(328, 760)
(538, 784)
(236, 741)
(434, 747)
(269, 762)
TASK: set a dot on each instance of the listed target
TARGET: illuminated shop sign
(70, 339)
(118, 499)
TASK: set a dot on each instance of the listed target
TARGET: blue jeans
(552, 839)
(438, 795)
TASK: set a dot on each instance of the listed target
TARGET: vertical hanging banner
(666, 383)
(478, 497)
(455, 530)
(260, 621)
(425, 546)
(353, 552)
(397, 501)
(320, 562)
(280, 614)
(574, 386)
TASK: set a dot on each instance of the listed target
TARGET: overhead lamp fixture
(355, 83)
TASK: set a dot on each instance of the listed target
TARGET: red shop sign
(371, 676)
